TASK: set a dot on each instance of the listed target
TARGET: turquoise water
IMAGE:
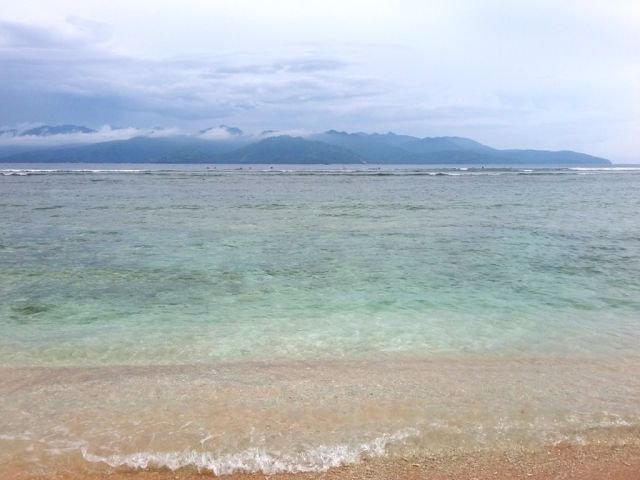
(196, 265)
(293, 320)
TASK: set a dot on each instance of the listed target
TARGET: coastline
(554, 462)
(474, 416)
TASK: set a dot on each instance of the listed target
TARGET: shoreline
(555, 462)
(472, 417)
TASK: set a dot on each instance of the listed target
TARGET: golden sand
(566, 463)
(316, 403)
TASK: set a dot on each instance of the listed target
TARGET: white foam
(44, 171)
(12, 438)
(605, 169)
(317, 459)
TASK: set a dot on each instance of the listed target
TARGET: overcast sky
(527, 73)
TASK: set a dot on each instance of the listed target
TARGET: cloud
(188, 89)
(75, 33)
(219, 133)
(294, 132)
(532, 73)
(103, 134)
(17, 35)
(278, 66)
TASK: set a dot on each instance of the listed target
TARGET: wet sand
(559, 462)
(496, 418)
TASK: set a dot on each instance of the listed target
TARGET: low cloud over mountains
(225, 144)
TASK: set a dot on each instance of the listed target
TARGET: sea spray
(252, 460)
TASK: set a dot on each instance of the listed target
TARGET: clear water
(122, 268)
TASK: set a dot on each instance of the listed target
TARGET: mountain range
(228, 145)
(46, 130)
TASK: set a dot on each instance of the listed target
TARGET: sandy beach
(472, 441)
(567, 463)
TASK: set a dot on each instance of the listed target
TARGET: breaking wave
(305, 170)
(253, 460)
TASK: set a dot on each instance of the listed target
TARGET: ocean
(293, 319)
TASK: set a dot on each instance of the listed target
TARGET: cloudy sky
(527, 73)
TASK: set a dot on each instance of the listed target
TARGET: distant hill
(8, 132)
(281, 149)
(376, 148)
(230, 131)
(226, 144)
(403, 149)
(565, 157)
(12, 150)
(292, 150)
(46, 130)
(179, 149)
(14, 141)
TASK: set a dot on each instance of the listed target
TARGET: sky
(511, 74)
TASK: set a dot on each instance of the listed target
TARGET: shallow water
(272, 318)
